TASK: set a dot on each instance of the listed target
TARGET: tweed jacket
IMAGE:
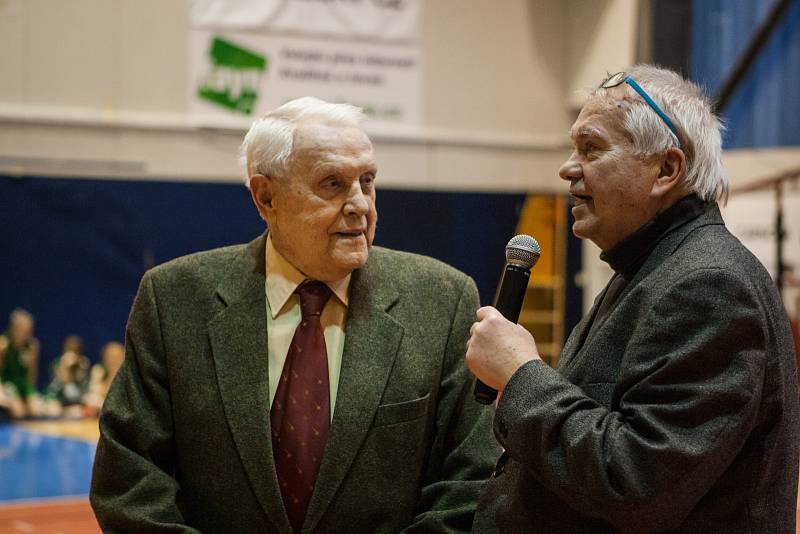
(678, 414)
(185, 440)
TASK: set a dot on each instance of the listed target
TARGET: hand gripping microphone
(522, 253)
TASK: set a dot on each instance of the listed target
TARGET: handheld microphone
(522, 253)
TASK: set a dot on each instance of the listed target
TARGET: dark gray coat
(679, 414)
(185, 439)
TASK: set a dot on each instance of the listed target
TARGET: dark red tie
(300, 414)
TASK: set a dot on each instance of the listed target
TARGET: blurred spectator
(11, 406)
(70, 380)
(102, 375)
(19, 366)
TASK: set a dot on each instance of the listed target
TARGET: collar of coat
(628, 256)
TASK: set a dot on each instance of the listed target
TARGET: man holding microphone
(674, 405)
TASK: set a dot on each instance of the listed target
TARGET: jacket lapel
(239, 344)
(576, 339)
(372, 339)
(575, 345)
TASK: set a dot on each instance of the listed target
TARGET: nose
(571, 170)
(356, 203)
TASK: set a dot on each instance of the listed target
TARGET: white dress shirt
(283, 316)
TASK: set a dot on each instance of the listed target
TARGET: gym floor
(46, 471)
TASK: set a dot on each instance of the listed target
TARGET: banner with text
(395, 20)
(235, 75)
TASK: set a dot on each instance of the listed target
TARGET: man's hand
(497, 348)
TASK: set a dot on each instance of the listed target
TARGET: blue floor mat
(34, 466)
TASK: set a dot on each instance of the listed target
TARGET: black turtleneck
(627, 257)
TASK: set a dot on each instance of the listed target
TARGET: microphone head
(523, 250)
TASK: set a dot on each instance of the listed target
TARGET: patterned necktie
(300, 414)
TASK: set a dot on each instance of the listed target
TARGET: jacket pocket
(400, 412)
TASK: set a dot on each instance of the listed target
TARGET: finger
(470, 360)
(484, 312)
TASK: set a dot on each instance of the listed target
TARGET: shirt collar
(283, 279)
(630, 253)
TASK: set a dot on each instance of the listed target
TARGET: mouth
(577, 200)
(350, 234)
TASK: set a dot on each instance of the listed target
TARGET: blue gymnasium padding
(34, 466)
(73, 251)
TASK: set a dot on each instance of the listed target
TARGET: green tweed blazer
(185, 432)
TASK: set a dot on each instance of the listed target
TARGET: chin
(353, 261)
(583, 229)
(356, 261)
(338, 266)
(577, 231)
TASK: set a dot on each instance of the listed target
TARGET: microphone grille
(523, 250)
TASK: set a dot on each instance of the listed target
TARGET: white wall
(97, 88)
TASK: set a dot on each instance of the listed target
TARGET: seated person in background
(10, 404)
(70, 380)
(19, 366)
(112, 355)
(74, 344)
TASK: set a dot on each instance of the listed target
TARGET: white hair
(691, 112)
(267, 146)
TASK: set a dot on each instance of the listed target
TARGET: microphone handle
(508, 302)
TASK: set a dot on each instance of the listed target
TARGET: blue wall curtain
(73, 251)
(765, 110)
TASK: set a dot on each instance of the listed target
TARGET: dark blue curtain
(765, 110)
(73, 251)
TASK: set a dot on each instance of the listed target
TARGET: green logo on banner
(232, 82)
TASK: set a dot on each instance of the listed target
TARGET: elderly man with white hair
(674, 405)
(305, 382)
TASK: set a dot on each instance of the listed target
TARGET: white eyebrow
(586, 131)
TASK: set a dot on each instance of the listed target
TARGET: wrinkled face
(609, 186)
(322, 215)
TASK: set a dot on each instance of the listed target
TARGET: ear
(262, 192)
(670, 173)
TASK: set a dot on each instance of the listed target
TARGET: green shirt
(15, 368)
